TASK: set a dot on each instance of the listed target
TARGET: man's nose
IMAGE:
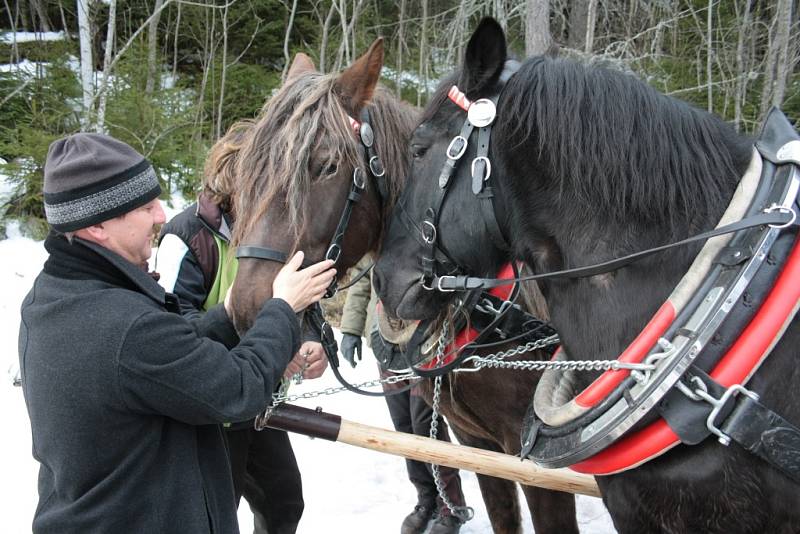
(160, 216)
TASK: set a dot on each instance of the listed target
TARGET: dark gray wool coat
(125, 397)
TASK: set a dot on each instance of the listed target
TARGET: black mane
(619, 146)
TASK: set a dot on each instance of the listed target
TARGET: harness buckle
(439, 284)
(718, 404)
(428, 232)
(376, 167)
(488, 166)
(333, 252)
(358, 178)
(459, 149)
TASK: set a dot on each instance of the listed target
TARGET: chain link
(463, 513)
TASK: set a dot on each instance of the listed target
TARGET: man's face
(131, 235)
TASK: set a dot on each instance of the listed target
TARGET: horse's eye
(418, 151)
(331, 169)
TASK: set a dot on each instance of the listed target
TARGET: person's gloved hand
(351, 344)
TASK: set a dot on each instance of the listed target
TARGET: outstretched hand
(301, 288)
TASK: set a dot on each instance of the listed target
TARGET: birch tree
(85, 34)
(537, 27)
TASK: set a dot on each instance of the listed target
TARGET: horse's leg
(499, 495)
(551, 511)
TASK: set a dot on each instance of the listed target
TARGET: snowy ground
(346, 489)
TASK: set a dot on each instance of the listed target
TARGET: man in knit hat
(126, 396)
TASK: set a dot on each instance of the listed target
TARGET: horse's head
(446, 222)
(296, 172)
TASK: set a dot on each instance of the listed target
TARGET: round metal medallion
(482, 113)
(367, 135)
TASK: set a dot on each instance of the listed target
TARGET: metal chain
(462, 513)
(496, 361)
(281, 396)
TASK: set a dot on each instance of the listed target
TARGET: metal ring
(336, 248)
(460, 152)
(782, 209)
(432, 235)
(358, 178)
(380, 166)
(488, 166)
(422, 282)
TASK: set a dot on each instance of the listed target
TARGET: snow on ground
(346, 489)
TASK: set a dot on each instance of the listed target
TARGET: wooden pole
(319, 424)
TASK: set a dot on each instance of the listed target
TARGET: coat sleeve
(354, 313)
(166, 368)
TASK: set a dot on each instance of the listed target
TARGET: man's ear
(95, 233)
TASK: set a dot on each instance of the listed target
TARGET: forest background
(169, 76)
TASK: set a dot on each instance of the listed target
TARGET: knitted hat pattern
(90, 178)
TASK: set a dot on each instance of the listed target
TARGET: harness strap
(467, 283)
(765, 434)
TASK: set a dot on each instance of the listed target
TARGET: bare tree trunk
(14, 58)
(64, 21)
(773, 86)
(286, 58)
(499, 9)
(578, 12)
(784, 63)
(743, 67)
(38, 8)
(224, 73)
(591, 21)
(110, 38)
(175, 42)
(401, 37)
(323, 47)
(152, 42)
(422, 82)
(537, 27)
(85, 32)
(709, 55)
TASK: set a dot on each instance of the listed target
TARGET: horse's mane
(275, 159)
(621, 148)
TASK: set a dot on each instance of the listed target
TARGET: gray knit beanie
(91, 178)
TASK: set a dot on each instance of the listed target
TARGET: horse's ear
(484, 58)
(301, 65)
(356, 84)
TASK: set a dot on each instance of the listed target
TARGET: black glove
(351, 344)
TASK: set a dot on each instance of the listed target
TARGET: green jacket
(358, 314)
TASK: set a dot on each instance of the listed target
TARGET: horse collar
(696, 386)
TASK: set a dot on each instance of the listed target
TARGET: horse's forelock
(275, 160)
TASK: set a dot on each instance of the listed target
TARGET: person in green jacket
(410, 414)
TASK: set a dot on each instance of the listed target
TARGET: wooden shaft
(469, 458)
(317, 423)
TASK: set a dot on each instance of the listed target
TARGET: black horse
(588, 165)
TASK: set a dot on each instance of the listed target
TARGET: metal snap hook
(782, 209)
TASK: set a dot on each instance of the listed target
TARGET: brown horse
(296, 171)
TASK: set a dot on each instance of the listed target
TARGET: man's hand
(310, 360)
(302, 288)
(351, 344)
